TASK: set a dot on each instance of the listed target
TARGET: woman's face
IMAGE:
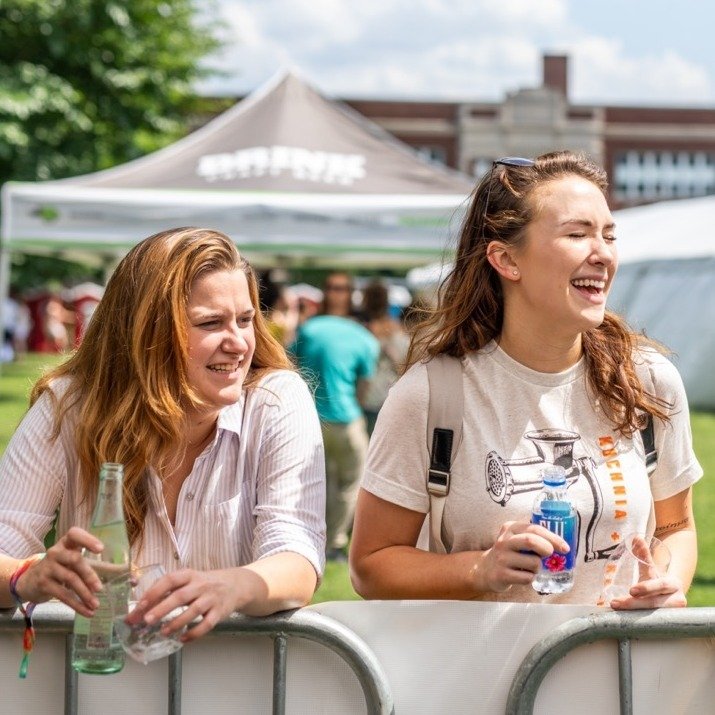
(338, 294)
(220, 335)
(568, 259)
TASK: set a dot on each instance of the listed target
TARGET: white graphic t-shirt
(515, 421)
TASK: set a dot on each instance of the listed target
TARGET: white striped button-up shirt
(258, 489)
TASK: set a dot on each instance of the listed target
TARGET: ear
(501, 259)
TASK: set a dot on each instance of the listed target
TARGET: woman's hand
(274, 583)
(65, 574)
(516, 555)
(660, 592)
(675, 526)
(655, 587)
(209, 596)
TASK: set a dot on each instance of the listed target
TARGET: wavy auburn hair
(128, 380)
(470, 308)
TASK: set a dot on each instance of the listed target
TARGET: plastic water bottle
(554, 511)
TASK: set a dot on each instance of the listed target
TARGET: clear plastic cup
(637, 558)
(144, 642)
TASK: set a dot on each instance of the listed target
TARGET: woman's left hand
(660, 592)
(209, 596)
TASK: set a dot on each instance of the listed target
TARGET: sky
(642, 52)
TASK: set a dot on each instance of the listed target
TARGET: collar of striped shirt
(231, 417)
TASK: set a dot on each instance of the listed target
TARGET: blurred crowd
(46, 320)
(350, 341)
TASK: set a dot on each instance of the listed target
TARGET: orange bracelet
(28, 639)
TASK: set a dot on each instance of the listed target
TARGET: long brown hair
(470, 308)
(128, 379)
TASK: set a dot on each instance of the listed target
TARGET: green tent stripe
(278, 248)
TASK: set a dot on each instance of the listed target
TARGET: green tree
(87, 84)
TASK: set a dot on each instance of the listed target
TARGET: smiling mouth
(224, 369)
(589, 286)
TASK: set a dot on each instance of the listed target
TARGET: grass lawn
(702, 592)
(16, 380)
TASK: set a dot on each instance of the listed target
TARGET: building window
(435, 154)
(650, 175)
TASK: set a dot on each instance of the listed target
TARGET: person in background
(524, 309)
(279, 306)
(16, 326)
(50, 321)
(340, 355)
(180, 381)
(394, 343)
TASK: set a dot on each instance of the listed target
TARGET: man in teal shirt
(337, 356)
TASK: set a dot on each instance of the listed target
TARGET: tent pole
(4, 257)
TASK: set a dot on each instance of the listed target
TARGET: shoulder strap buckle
(438, 482)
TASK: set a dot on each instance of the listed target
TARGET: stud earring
(515, 272)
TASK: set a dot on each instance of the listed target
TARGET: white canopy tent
(665, 284)
(290, 175)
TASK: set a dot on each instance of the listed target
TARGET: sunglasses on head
(504, 161)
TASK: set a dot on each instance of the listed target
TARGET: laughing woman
(524, 310)
(179, 379)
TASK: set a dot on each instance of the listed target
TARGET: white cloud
(457, 49)
(602, 69)
(543, 12)
(241, 25)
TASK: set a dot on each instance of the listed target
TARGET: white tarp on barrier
(439, 656)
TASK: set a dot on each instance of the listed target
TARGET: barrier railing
(56, 618)
(426, 635)
(663, 624)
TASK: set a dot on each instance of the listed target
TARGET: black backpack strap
(647, 432)
(444, 436)
(651, 453)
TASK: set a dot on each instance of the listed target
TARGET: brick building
(650, 153)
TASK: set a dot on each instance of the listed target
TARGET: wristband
(28, 638)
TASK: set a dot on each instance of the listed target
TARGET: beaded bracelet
(28, 638)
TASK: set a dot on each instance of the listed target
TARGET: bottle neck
(109, 508)
(557, 491)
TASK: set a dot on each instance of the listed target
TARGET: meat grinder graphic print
(506, 477)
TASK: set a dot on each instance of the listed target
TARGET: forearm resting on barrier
(384, 562)
(675, 526)
(275, 583)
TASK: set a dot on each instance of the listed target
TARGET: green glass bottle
(94, 646)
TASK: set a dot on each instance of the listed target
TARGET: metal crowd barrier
(301, 623)
(623, 627)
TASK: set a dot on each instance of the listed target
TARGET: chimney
(556, 73)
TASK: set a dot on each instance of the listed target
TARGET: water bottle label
(565, 527)
(101, 627)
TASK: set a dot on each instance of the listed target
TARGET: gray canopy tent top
(288, 174)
